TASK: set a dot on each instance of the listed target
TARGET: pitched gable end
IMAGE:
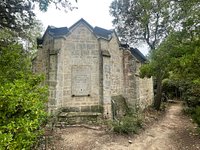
(81, 21)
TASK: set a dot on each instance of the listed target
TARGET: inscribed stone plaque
(81, 80)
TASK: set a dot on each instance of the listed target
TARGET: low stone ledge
(78, 114)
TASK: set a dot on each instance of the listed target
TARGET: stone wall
(84, 71)
(117, 87)
(130, 78)
(146, 92)
(79, 70)
(137, 91)
(46, 63)
(112, 72)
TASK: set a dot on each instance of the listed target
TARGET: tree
(30, 35)
(151, 21)
(154, 22)
(18, 14)
(185, 56)
(176, 57)
(158, 66)
(142, 20)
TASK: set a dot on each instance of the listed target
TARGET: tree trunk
(157, 100)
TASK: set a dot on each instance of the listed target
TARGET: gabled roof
(138, 54)
(135, 52)
(56, 32)
(100, 32)
(81, 21)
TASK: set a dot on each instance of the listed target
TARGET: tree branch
(147, 37)
(156, 30)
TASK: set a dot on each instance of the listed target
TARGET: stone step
(69, 118)
(78, 114)
(63, 125)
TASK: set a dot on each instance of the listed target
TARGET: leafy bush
(126, 116)
(190, 93)
(196, 115)
(21, 112)
(127, 125)
(22, 99)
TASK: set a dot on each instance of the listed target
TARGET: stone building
(85, 67)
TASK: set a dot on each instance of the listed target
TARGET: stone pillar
(106, 85)
(52, 77)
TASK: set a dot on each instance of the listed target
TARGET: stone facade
(86, 66)
(138, 91)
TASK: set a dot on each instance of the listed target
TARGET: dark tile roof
(135, 52)
(58, 31)
(99, 32)
(138, 54)
(102, 32)
(54, 32)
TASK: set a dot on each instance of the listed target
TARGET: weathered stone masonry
(86, 66)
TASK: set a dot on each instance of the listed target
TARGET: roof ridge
(98, 31)
(81, 20)
(59, 27)
(103, 28)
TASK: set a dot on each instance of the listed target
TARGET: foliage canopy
(19, 14)
(151, 21)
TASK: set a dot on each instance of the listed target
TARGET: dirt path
(173, 132)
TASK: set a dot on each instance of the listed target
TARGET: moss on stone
(119, 106)
(85, 109)
(97, 108)
(70, 109)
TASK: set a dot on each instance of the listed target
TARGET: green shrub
(188, 110)
(196, 115)
(127, 125)
(127, 116)
(22, 112)
(22, 99)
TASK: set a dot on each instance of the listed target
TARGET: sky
(95, 12)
